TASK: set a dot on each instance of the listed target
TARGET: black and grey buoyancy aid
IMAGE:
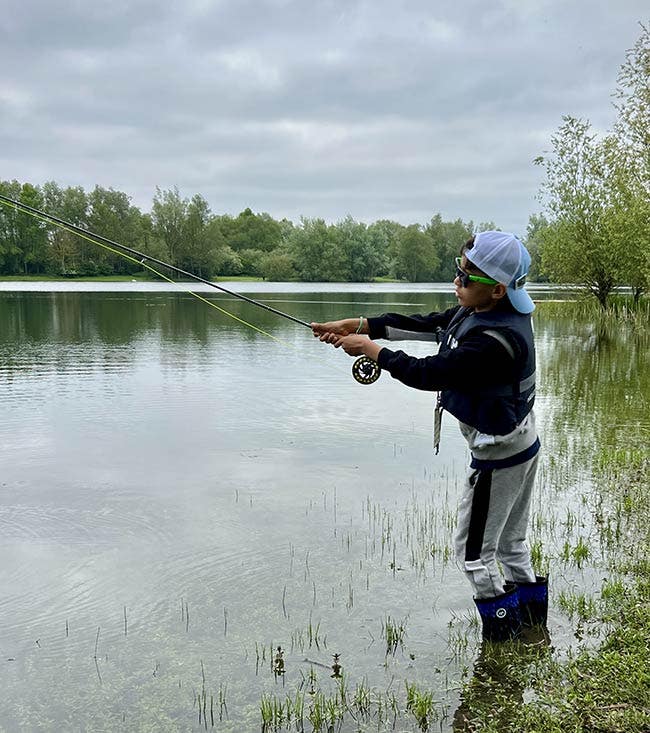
(499, 409)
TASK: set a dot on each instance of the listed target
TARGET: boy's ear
(499, 291)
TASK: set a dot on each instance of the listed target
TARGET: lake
(180, 495)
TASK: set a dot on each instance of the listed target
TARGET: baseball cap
(504, 258)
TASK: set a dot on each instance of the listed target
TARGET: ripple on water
(80, 567)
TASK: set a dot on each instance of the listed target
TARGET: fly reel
(365, 370)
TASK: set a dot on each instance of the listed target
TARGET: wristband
(360, 326)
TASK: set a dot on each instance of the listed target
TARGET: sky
(379, 110)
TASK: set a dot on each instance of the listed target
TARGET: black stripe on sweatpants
(478, 517)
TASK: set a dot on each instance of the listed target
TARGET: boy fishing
(484, 374)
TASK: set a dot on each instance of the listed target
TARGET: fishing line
(364, 370)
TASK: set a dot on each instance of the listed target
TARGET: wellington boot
(533, 601)
(500, 615)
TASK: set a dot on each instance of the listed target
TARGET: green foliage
(416, 256)
(252, 231)
(111, 214)
(23, 238)
(633, 104)
(316, 252)
(447, 238)
(537, 224)
(277, 266)
(420, 704)
(575, 246)
(393, 632)
(360, 259)
(168, 215)
(66, 250)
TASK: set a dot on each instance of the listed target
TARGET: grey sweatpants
(492, 524)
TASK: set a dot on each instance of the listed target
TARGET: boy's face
(476, 295)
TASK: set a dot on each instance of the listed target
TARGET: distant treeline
(185, 233)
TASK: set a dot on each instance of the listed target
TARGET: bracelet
(360, 326)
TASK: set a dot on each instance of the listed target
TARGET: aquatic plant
(393, 632)
(420, 704)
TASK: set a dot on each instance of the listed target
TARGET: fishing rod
(364, 369)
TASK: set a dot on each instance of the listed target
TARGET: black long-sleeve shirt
(480, 360)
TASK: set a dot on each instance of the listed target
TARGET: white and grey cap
(504, 258)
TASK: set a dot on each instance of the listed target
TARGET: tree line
(185, 233)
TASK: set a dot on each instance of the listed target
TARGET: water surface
(180, 494)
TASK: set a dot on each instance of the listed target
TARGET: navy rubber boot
(533, 601)
(500, 615)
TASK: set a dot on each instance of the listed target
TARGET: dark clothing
(485, 375)
(453, 369)
(496, 409)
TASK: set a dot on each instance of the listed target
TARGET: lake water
(181, 494)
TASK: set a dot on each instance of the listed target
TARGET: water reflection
(498, 681)
(601, 370)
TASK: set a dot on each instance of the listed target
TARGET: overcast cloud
(376, 109)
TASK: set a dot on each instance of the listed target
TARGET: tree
(315, 248)
(416, 259)
(10, 252)
(253, 231)
(32, 232)
(537, 224)
(576, 247)
(66, 249)
(23, 237)
(222, 258)
(192, 253)
(168, 214)
(360, 258)
(447, 238)
(112, 216)
(633, 106)
(277, 266)
(627, 218)
(148, 241)
(387, 234)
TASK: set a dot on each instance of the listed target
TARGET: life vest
(498, 409)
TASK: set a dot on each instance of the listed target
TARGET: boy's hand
(357, 345)
(329, 332)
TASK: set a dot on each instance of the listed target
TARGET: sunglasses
(465, 278)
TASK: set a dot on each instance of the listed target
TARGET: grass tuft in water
(420, 704)
(393, 632)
